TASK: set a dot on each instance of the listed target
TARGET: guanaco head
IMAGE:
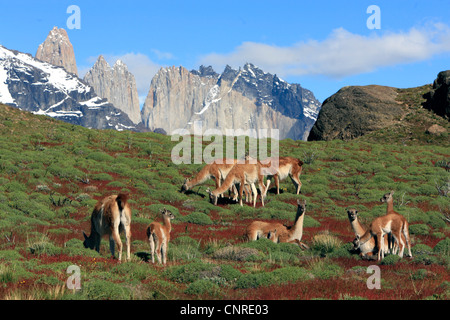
(352, 214)
(167, 214)
(387, 197)
(357, 242)
(301, 205)
(272, 235)
(88, 241)
(185, 186)
(212, 197)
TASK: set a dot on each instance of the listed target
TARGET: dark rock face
(356, 110)
(438, 100)
(42, 88)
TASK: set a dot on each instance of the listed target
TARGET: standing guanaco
(159, 236)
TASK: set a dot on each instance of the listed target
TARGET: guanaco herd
(112, 215)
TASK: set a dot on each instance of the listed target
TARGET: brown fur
(218, 170)
(389, 200)
(277, 232)
(370, 247)
(288, 166)
(393, 223)
(110, 216)
(159, 236)
(243, 174)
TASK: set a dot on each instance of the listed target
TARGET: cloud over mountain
(341, 54)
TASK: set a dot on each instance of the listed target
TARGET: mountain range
(247, 98)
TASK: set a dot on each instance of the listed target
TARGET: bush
(419, 229)
(325, 244)
(443, 247)
(102, 177)
(100, 156)
(203, 287)
(278, 276)
(198, 218)
(390, 260)
(98, 289)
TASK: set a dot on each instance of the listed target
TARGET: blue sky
(323, 45)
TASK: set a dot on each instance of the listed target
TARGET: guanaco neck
(297, 229)
(201, 177)
(357, 227)
(166, 223)
(390, 205)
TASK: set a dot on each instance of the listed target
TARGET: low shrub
(203, 287)
(419, 229)
(99, 289)
(198, 218)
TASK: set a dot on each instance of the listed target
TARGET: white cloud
(341, 54)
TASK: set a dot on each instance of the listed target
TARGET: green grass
(53, 173)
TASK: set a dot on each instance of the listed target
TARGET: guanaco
(110, 216)
(159, 236)
(368, 248)
(278, 232)
(245, 173)
(288, 166)
(389, 200)
(392, 223)
(218, 170)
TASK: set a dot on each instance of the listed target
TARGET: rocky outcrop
(247, 98)
(58, 50)
(42, 88)
(117, 85)
(438, 99)
(357, 110)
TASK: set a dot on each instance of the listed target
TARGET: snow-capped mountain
(247, 98)
(42, 88)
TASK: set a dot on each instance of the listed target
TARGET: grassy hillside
(53, 173)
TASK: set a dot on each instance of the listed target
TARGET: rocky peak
(356, 110)
(205, 72)
(247, 98)
(57, 50)
(117, 85)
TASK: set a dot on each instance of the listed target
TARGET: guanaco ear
(358, 237)
(392, 192)
(85, 236)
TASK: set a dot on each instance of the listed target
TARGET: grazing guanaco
(278, 232)
(392, 223)
(368, 248)
(245, 173)
(218, 170)
(288, 166)
(159, 236)
(110, 216)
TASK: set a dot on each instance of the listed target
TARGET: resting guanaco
(368, 248)
(278, 232)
